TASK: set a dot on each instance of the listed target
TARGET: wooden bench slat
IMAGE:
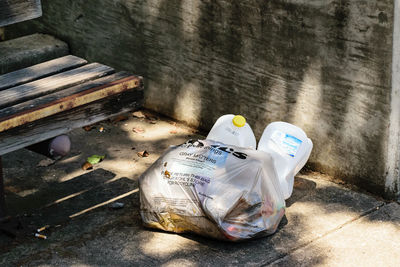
(13, 11)
(46, 99)
(70, 98)
(40, 71)
(53, 83)
(66, 121)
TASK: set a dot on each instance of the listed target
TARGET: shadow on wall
(322, 66)
(6, 10)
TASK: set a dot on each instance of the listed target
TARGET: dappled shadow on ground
(55, 194)
(76, 202)
(126, 242)
(314, 210)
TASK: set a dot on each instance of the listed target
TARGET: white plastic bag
(208, 188)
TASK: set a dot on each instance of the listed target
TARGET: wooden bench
(54, 97)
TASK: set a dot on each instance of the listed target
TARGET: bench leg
(2, 196)
(8, 225)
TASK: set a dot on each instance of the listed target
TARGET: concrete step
(30, 50)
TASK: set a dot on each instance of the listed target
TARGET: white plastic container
(290, 148)
(233, 130)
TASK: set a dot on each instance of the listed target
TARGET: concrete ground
(326, 224)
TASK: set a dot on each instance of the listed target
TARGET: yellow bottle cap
(239, 121)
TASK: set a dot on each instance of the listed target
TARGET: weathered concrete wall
(393, 161)
(324, 65)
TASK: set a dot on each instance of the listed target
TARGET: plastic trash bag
(212, 189)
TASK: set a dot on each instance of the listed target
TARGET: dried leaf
(88, 128)
(119, 118)
(138, 114)
(87, 166)
(12, 189)
(143, 154)
(45, 162)
(138, 130)
(94, 159)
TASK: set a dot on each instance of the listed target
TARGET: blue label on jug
(291, 144)
(288, 143)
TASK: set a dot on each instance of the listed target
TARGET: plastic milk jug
(233, 130)
(290, 149)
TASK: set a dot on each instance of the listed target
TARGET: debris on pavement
(39, 232)
(139, 114)
(89, 128)
(101, 129)
(143, 154)
(41, 229)
(173, 132)
(45, 162)
(117, 205)
(224, 202)
(138, 130)
(94, 159)
(87, 166)
(40, 236)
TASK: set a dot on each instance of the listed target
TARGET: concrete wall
(324, 65)
(393, 161)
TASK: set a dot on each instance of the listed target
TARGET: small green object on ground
(95, 159)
